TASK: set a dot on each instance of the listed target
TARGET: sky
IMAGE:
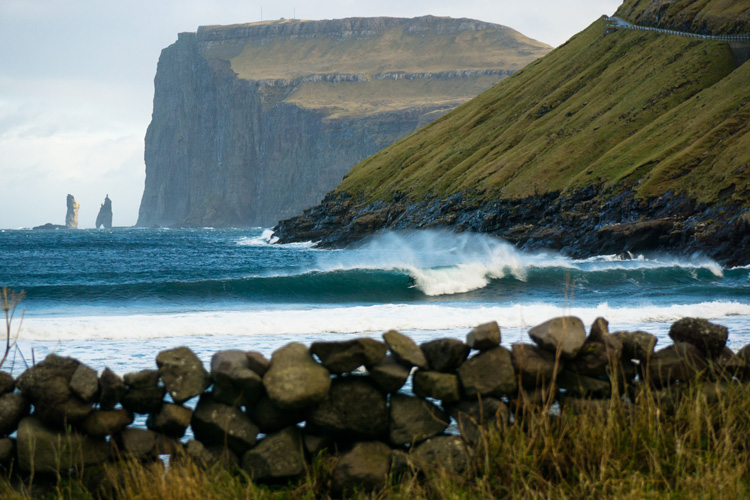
(76, 84)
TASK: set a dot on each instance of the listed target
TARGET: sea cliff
(253, 123)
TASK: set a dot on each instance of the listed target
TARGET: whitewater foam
(445, 263)
(356, 319)
(268, 239)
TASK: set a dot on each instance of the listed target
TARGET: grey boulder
(41, 449)
(345, 357)
(489, 373)
(446, 453)
(437, 385)
(708, 337)
(182, 372)
(294, 380)
(215, 423)
(565, 335)
(13, 407)
(364, 467)
(277, 456)
(484, 337)
(414, 419)
(235, 383)
(389, 375)
(353, 405)
(537, 367)
(404, 349)
(171, 420)
(445, 355)
(103, 423)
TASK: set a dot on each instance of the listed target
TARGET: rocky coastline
(580, 223)
(353, 398)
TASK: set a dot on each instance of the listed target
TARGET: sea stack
(104, 218)
(71, 217)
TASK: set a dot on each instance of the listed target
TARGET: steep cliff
(624, 140)
(253, 123)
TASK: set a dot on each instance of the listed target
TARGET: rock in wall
(246, 131)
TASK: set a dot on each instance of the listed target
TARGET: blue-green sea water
(115, 297)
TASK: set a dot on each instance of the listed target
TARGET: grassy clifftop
(631, 109)
(360, 66)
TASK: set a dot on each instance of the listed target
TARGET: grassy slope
(609, 110)
(396, 50)
(720, 16)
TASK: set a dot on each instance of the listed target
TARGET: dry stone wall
(271, 417)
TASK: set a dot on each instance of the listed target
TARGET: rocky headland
(254, 123)
(617, 140)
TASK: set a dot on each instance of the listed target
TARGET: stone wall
(380, 406)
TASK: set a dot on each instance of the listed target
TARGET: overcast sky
(76, 84)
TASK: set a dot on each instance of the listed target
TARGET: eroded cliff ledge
(253, 123)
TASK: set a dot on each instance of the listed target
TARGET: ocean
(114, 298)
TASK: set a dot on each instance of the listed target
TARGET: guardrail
(617, 23)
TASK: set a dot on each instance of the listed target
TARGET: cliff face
(254, 123)
(630, 140)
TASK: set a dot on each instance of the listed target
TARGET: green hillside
(628, 109)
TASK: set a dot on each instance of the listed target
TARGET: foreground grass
(696, 448)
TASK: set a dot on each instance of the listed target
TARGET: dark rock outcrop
(580, 223)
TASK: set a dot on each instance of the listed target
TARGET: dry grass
(699, 448)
